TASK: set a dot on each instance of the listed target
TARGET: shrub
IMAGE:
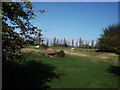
(61, 53)
(110, 39)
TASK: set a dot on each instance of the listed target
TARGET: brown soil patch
(50, 52)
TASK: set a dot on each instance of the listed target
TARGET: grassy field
(80, 68)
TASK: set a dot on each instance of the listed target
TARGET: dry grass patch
(98, 55)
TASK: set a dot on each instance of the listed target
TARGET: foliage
(38, 39)
(73, 43)
(47, 43)
(45, 46)
(54, 42)
(16, 16)
(29, 42)
(92, 44)
(110, 39)
(80, 43)
(61, 53)
(16, 34)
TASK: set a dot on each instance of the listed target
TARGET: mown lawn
(78, 71)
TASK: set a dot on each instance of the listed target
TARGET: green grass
(79, 72)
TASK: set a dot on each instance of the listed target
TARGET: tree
(110, 39)
(25, 74)
(65, 43)
(92, 44)
(80, 42)
(69, 43)
(47, 43)
(16, 16)
(54, 42)
(61, 41)
(73, 43)
(57, 42)
(76, 45)
(38, 39)
(87, 44)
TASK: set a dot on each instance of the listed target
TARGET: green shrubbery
(16, 16)
(61, 53)
(110, 39)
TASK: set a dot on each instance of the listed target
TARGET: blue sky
(73, 20)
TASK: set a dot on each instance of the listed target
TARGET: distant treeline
(64, 43)
(77, 44)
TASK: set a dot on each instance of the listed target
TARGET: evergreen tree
(47, 43)
(61, 41)
(64, 41)
(68, 43)
(86, 44)
(73, 43)
(92, 44)
(76, 44)
(80, 42)
(57, 42)
(54, 42)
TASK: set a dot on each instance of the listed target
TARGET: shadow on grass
(114, 69)
(28, 75)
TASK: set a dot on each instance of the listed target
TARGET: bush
(110, 39)
(61, 53)
(44, 46)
